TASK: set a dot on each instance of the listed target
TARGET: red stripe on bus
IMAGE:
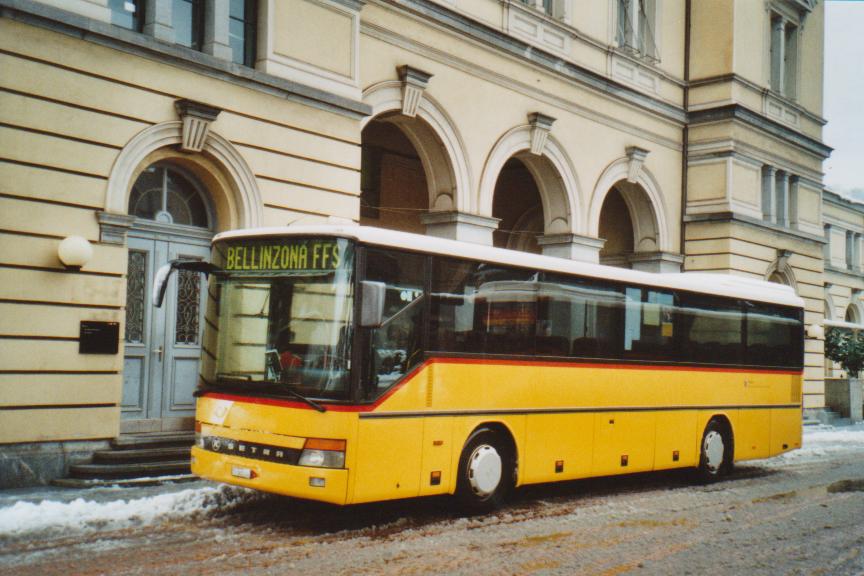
(430, 361)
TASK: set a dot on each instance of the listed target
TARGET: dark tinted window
(127, 13)
(578, 317)
(774, 336)
(711, 330)
(188, 20)
(395, 347)
(482, 308)
(649, 330)
(241, 30)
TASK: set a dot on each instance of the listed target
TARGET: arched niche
(551, 170)
(435, 138)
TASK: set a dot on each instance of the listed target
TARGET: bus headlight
(323, 453)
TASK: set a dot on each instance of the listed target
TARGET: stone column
(158, 20)
(572, 247)
(460, 226)
(794, 183)
(778, 65)
(781, 205)
(856, 251)
(769, 210)
(216, 21)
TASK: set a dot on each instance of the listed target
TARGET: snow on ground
(27, 518)
(822, 441)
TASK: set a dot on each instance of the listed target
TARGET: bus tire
(715, 452)
(486, 471)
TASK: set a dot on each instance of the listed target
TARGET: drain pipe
(685, 139)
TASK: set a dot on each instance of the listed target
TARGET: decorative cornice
(448, 18)
(196, 118)
(113, 227)
(838, 200)
(755, 222)
(752, 86)
(742, 114)
(414, 84)
(635, 158)
(541, 125)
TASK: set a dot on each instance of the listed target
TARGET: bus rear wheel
(716, 452)
(486, 471)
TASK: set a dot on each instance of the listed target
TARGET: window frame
(784, 69)
(249, 22)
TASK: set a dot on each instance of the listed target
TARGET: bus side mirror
(160, 282)
(372, 303)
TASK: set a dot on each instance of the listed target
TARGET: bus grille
(253, 450)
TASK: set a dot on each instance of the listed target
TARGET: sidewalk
(52, 508)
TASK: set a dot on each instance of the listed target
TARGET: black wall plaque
(99, 337)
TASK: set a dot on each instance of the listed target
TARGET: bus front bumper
(322, 484)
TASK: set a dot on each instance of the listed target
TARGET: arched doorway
(394, 186)
(517, 204)
(616, 228)
(173, 219)
(628, 224)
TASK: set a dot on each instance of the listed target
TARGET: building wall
(745, 129)
(69, 110)
(85, 106)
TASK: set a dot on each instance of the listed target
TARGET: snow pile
(27, 517)
(821, 441)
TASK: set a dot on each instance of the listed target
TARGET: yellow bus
(352, 364)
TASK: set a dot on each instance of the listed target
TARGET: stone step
(154, 440)
(133, 455)
(123, 482)
(141, 469)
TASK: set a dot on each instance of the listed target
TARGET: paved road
(801, 514)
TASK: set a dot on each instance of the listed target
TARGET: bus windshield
(284, 316)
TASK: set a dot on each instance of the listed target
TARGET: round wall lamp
(75, 252)
(815, 331)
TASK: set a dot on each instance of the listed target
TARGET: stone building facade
(663, 135)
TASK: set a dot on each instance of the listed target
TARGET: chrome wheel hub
(714, 450)
(484, 470)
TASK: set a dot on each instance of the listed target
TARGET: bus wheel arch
(487, 467)
(716, 449)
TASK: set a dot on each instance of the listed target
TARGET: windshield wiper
(247, 380)
(299, 396)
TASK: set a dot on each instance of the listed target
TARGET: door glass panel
(188, 298)
(135, 295)
(145, 200)
(167, 195)
(395, 347)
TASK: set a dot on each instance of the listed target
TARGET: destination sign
(295, 254)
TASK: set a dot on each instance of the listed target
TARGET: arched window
(852, 314)
(166, 194)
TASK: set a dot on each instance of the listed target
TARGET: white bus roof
(704, 282)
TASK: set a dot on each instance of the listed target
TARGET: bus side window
(772, 332)
(452, 319)
(578, 317)
(711, 330)
(649, 329)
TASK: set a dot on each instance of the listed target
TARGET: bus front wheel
(486, 471)
(716, 452)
